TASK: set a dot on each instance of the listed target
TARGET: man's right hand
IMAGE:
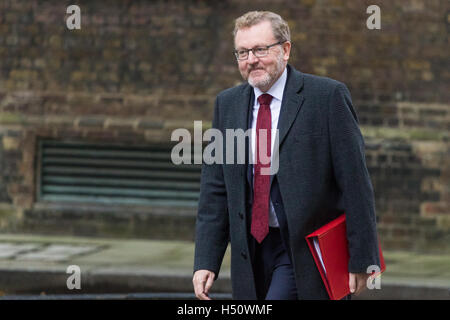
(203, 280)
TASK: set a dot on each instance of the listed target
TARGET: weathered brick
(150, 124)
(435, 208)
(98, 135)
(10, 143)
(61, 121)
(120, 124)
(444, 222)
(91, 122)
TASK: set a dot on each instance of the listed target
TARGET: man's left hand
(358, 282)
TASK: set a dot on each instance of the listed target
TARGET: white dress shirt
(276, 91)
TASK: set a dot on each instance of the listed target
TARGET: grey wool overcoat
(322, 173)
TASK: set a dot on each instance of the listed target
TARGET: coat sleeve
(352, 177)
(212, 226)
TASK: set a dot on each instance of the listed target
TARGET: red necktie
(260, 208)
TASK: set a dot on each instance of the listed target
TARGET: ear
(286, 50)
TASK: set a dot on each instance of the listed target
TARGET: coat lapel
(243, 106)
(290, 106)
(292, 102)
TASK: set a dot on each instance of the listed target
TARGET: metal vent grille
(84, 172)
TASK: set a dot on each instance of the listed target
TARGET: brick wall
(139, 69)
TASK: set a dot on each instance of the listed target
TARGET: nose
(252, 58)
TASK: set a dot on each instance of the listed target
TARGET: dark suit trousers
(274, 275)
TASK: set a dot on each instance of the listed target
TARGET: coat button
(241, 215)
(244, 255)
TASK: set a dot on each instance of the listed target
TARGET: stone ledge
(116, 221)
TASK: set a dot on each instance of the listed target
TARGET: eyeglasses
(259, 52)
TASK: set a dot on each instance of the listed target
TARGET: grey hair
(280, 27)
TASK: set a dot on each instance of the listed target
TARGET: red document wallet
(329, 247)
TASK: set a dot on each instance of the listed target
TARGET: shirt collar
(277, 88)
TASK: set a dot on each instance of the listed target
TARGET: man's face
(261, 72)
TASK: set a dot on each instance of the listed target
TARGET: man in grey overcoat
(321, 173)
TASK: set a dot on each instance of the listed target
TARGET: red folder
(333, 251)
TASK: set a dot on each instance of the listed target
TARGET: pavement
(37, 266)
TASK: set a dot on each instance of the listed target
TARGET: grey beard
(269, 78)
(262, 83)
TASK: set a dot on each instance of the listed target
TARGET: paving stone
(56, 252)
(10, 250)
